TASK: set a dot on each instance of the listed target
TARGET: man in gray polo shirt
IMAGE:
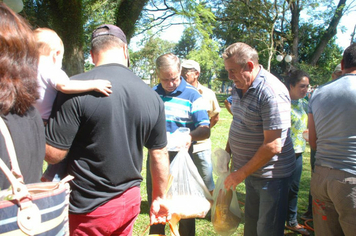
(332, 133)
(259, 141)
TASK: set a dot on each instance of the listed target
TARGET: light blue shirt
(333, 106)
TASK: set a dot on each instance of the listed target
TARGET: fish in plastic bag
(188, 197)
(225, 211)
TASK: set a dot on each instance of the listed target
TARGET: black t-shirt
(105, 135)
(27, 133)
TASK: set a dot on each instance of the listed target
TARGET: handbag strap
(10, 149)
(19, 189)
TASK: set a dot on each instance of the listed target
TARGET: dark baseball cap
(111, 30)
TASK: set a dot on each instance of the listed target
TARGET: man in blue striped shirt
(259, 141)
(184, 107)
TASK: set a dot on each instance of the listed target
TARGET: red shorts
(116, 217)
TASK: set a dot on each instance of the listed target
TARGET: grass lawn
(204, 227)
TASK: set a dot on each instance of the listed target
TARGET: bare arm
(78, 86)
(159, 165)
(213, 120)
(312, 132)
(200, 133)
(270, 147)
(228, 106)
(227, 148)
(54, 155)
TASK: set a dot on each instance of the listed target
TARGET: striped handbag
(31, 209)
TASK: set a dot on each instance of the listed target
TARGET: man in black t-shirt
(103, 137)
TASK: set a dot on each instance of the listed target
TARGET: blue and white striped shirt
(184, 107)
(265, 106)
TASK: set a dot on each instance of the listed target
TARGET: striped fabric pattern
(53, 207)
(184, 107)
(265, 106)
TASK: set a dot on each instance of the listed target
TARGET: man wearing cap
(103, 138)
(202, 149)
(337, 72)
(184, 107)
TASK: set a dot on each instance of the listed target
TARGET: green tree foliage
(271, 26)
(74, 20)
(67, 19)
(187, 42)
(275, 27)
(143, 60)
(207, 55)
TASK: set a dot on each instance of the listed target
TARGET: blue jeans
(56, 172)
(202, 161)
(293, 192)
(266, 206)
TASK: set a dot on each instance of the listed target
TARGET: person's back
(51, 49)
(47, 77)
(332, 134)
(334, 112)
(51, 79)
(18, 93)
(110, 128)
(103, 138)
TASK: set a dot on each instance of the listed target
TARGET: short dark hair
(349, 56)
(294, 77)
(105, 42)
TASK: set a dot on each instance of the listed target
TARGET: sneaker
(298, 229)
(307, 216)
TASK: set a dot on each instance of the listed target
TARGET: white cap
(190, 64)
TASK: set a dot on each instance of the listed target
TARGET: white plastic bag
(225, 212)
(176, 141)
(188, 197)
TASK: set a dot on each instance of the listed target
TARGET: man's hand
(159, 212)
(187, 141)
(233, 179)
(271, 146)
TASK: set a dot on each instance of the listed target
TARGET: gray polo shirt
(265, 106)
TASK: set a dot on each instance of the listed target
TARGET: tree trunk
(295, 10)
(68, 23)
(127, 14)
(330, 32)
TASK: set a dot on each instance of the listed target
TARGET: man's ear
(250, 66)
(197, 74)
(126, 55)
(342, 64)
(92, 56)
(126, 51)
